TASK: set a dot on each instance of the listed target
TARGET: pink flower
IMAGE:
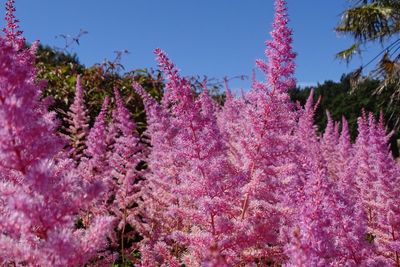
(78, 123)
(41, 193)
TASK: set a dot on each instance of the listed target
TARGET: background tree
(368, 21)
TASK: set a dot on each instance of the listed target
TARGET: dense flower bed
(249, 183)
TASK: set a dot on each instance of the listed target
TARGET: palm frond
(355, 79)
(370, 22)
(347, 54)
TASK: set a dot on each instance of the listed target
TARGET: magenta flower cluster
(247, 183)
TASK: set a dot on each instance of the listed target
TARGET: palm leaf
(348, 53)
(355, 78)
(370, 22)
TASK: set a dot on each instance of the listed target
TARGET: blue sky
(216, 38)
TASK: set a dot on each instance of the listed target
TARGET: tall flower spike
(12, 31)
(309, 189)
(386, 192)
(178, 89)
(78, 123)
(281, 66)
(94, 167)
(329, 147)
(260, 140)
(157, 194)
(345, 152)
(96, 146)
(122, 116)
(307, 154)
(125, 153)
(366, 178)
(306, 122)
(228, 91)
(209, 186)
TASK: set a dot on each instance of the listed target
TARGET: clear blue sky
(207, 37)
